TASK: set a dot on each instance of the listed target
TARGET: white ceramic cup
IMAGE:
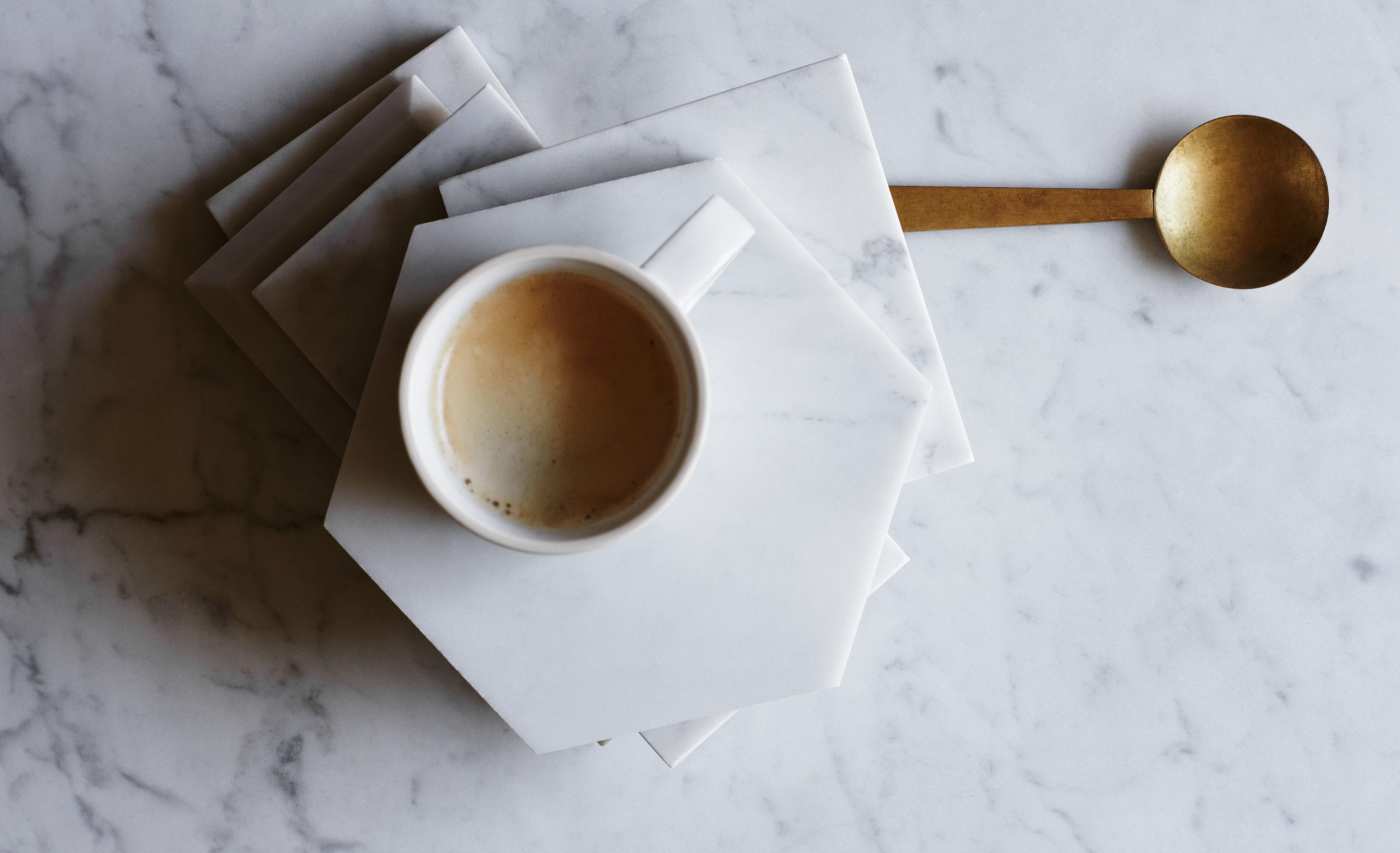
(662, 290)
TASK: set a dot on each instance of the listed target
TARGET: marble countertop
(1157, 613)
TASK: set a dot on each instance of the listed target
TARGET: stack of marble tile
(830, 388)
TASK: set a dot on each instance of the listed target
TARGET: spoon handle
(940, 208)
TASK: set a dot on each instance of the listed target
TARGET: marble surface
(1157, 613)
(750, 585)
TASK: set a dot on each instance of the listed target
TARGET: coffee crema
(558, 400)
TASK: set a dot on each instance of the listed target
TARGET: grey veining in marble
(1157, 614)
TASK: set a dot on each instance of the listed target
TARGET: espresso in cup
(558, 400)
(553, 399)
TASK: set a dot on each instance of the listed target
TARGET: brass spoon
(1240, 202)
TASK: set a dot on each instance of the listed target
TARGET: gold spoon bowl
(1240, 202)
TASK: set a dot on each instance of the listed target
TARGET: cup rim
(450, 306)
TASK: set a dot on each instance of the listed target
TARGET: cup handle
(693, 257)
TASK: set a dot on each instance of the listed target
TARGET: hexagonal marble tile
(750, 586)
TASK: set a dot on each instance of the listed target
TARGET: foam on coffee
(558, 400)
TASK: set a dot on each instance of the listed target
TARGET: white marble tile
(751, 585)
(892, 559)
(330, 296)
(451, 67)
(676, 742)
(800, 139)
(224, 283)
